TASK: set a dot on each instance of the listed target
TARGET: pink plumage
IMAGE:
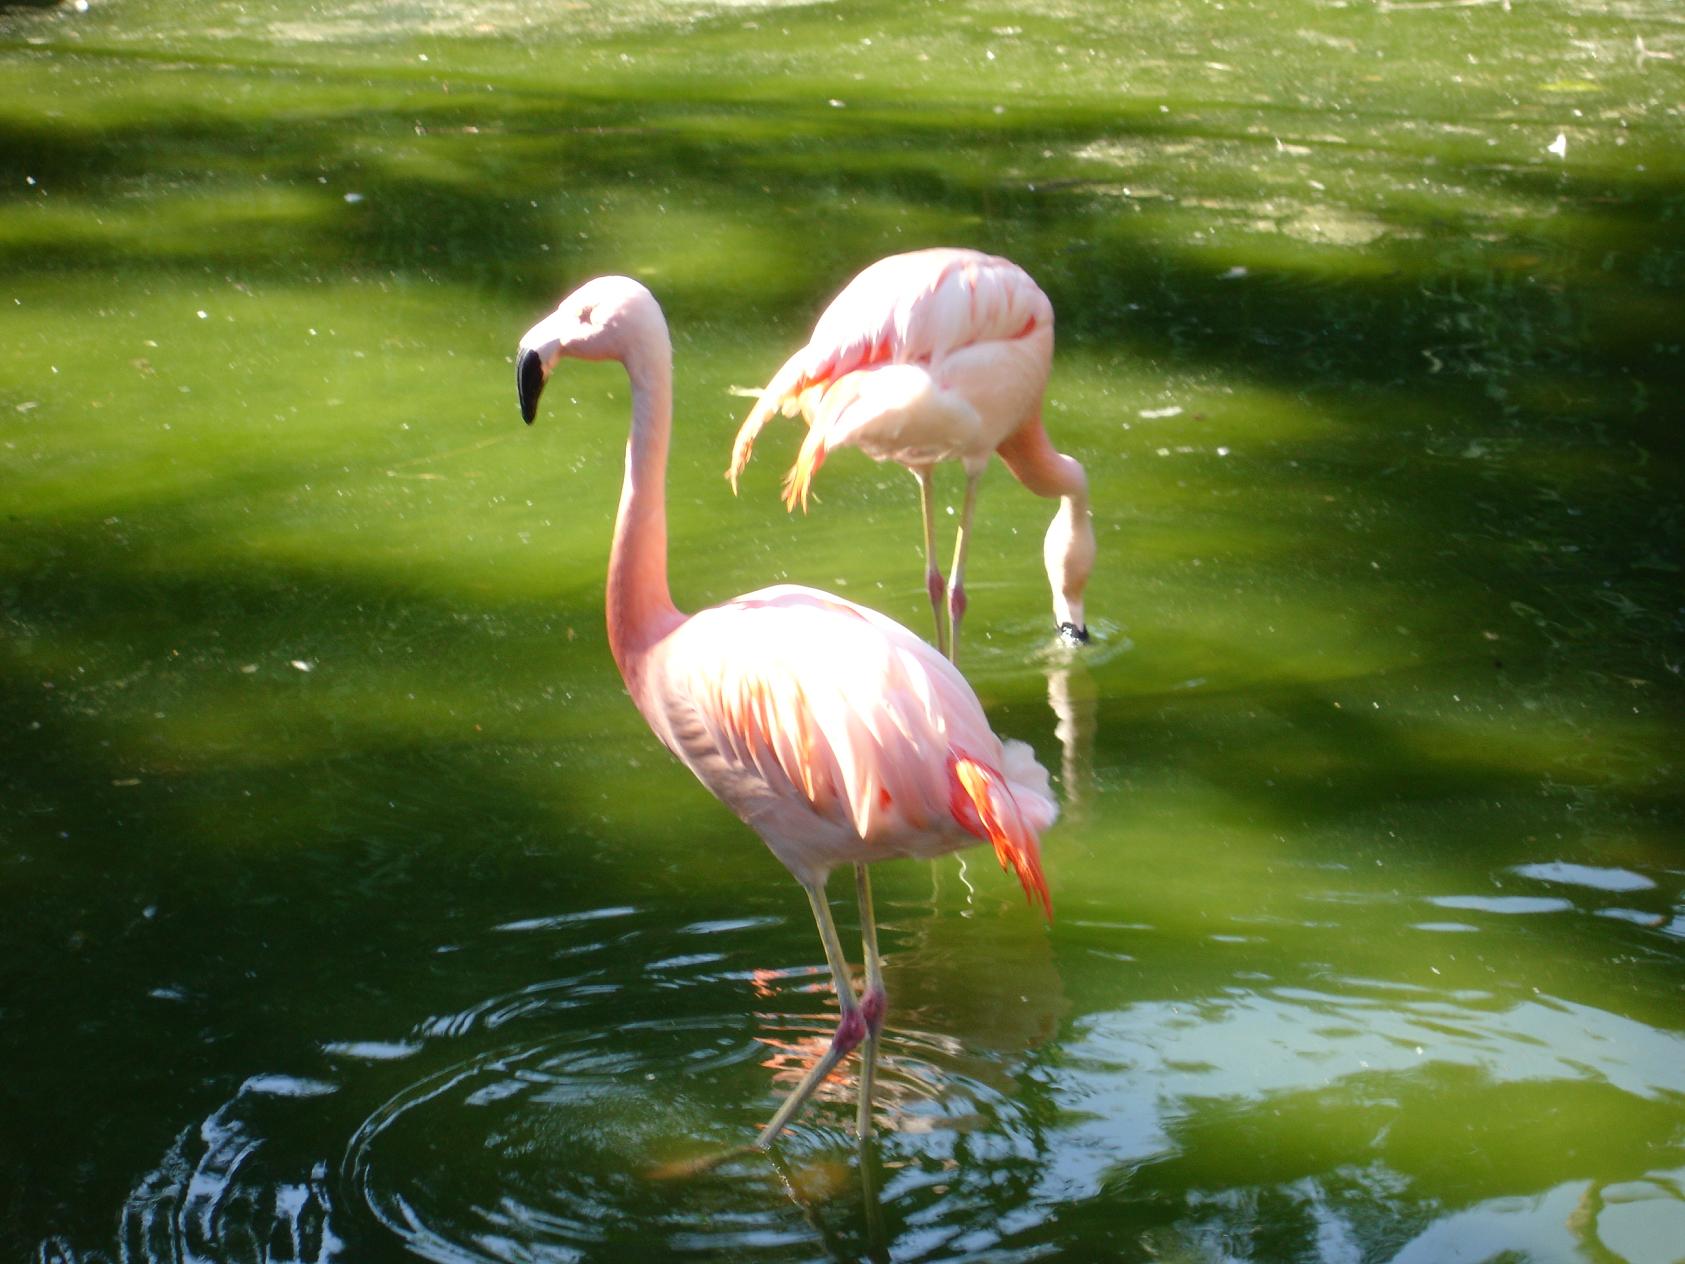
(835, 733)
(917, 308)
(831, 730)
(937, 355)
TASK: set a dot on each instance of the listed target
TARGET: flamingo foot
(700, 1165)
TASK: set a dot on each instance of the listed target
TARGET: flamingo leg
(872, 1002)
(956, 573)
(933, 581)
(850, 1029)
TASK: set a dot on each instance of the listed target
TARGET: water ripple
(535, 1125)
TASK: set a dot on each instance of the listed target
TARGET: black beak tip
(529, 382)
(1073, 635)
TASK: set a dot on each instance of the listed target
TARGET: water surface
(348, 910)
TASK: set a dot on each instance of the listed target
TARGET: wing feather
(909, 309)
(790, 700)
(807, 699)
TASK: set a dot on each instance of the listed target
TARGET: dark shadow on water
(196, 910)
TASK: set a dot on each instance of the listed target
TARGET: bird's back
(916, 308)
(840, 736)
(919, 308)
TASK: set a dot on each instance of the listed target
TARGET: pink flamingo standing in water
(938, 355)
(834, 733)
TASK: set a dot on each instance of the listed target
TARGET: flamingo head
(609, 318)
(1068, 551)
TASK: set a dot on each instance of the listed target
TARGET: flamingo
(938, 355)
(835, 733)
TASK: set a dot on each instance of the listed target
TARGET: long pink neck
(1042, 468)
(640, 607)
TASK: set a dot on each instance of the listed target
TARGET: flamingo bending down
(938, 355)
(834, 733)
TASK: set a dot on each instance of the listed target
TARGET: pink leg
(851, 1029)
(873, 1003)
(934, 584)
(956, 573)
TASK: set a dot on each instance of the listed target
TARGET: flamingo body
(937, 355)
(832, 731)
(839, 736)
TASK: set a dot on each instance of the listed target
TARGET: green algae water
(348, 911)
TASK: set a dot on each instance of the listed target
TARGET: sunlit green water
(347, 908)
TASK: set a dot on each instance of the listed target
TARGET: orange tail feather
(983, 804)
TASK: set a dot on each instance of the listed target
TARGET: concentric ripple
(539, 1124)
(562, 1148)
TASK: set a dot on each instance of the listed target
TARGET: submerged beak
(1069, 633)
(529, 382)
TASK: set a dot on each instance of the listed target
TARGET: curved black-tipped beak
(1073, 635)
(529, 382)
